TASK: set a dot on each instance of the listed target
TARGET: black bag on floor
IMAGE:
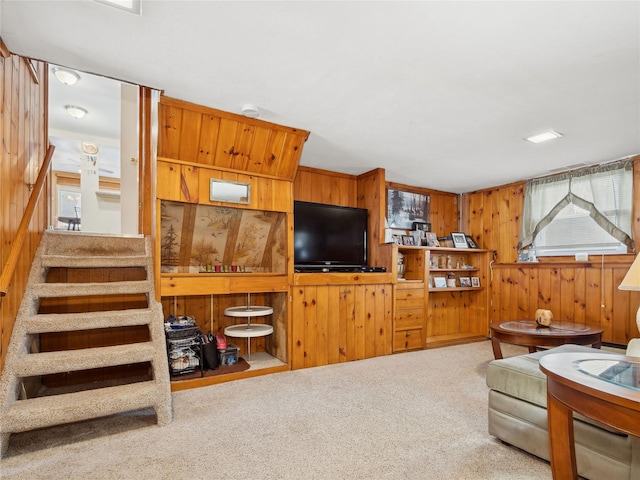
(210, 354)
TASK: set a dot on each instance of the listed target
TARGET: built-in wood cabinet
(339, 317)
(426, 315)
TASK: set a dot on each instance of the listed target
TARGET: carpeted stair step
(93, 261)
(41, 412)
(73, 244)
(69, 322)
(47, 290)
(46, 363)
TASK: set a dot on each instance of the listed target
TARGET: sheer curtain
(604, 191)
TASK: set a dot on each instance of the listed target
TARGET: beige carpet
(420, 415)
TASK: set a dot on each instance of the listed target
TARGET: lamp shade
(631, 280)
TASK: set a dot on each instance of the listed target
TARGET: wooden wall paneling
(189, 183)
(323, 186)
(273, 153)
(297, 331)
(170, 126)
(189, 135)
(242, 146)
(23, 114)
(169, 181)
(208, 143)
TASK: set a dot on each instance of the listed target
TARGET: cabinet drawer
(410, 298)
(407, 340)
(409, 318)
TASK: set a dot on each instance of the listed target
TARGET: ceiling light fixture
(89, 148)
(75, 112)
(544, 136)
(251, 111)
(66, 76)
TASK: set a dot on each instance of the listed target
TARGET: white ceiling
(440, 94)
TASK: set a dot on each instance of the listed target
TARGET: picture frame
(406, 208)
(465, 281)
(397, 239)
(475, 281)
(431, 239)
(471, 243)
(439, 282)
(459, 240)
(421, 226)
(408, 240)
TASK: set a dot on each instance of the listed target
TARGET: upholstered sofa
(518, 416)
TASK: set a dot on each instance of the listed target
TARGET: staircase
(26, 364)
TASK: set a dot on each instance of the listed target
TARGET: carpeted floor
(419, 415)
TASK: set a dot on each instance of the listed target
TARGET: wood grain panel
(23, 115)
(585, 293)
(207, 136)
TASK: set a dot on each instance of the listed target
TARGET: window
(587, 210)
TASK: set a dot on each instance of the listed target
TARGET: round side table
(248, 330)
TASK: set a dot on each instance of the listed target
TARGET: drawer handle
(408, 334)
(409, 294)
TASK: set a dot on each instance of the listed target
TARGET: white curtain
(604, 191)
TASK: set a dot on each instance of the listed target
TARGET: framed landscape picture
(406, 208)
(439, 282)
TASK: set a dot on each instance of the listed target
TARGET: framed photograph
(465, 282)
(440, 282)
(471, 242)
(408, 240)
(459, 240)
(421, 226)
(432, 239)
(397, 239)
(406, 208)
(475, 281)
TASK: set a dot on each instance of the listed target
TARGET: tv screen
(329, 236)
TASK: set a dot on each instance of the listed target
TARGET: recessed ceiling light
(66, 76)
(544, 136)
(251, 111)
(75, 112)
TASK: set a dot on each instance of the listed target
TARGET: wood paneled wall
(207, 136)
(23, 117)
(584, 292)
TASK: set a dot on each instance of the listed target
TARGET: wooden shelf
(454, 289)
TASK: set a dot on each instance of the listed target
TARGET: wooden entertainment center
(318, 318)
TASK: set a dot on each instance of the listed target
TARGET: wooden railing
(21, 233)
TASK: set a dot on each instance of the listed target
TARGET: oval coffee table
(529, 334)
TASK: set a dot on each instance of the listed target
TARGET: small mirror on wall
(231, 192)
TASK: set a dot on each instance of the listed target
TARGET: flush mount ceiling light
(544, 136)
(75, 112)
(89, 148)
(251, 111)
(66, 76)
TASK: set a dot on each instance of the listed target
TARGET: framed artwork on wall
(404, 209)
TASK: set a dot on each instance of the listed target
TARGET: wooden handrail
(21, 233)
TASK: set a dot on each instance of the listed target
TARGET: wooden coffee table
(529, 334)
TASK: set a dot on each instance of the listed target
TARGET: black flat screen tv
(329, 237)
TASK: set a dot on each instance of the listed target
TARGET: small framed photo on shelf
(421, 226)
(397, 239)
(439, 282)
(459, 240)
(431, 239)
(471, 243)
(408, 240)
(465, 282)
(475, 281)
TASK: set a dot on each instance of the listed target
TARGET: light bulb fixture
(66, 76)
(75, 111)
(544, 136)
(89, 148)
(251, 111)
